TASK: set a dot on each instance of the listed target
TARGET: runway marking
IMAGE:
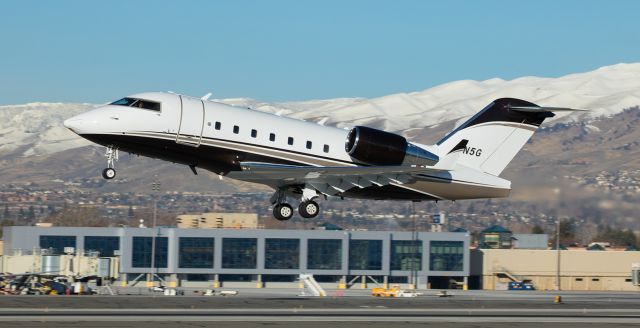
(466, 319)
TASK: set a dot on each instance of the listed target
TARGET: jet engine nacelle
(378, 147)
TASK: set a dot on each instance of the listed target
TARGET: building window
(198, 277)
(141, 252)
(290, 141)
(309, 144)
(282, 253)
(324, 254)
(595, 279)
(236, 129)
(56, 244)
(254, 133)
(272, 137)
(239, 253)
(195, 252)
(104, 245)
(325, 148)
(217, 126)
(446, 255)
(406, 255)
(578, 279)
(365, 255)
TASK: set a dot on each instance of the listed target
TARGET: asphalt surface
(281, 308)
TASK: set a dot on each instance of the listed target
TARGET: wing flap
(330, 180)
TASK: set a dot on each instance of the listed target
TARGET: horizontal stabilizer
(541, 109)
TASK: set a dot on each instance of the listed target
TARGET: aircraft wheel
(309, 209)
(283, 212)
(109, 173)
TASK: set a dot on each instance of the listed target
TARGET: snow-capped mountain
(36, 128)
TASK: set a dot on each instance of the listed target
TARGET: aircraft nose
(73, 124)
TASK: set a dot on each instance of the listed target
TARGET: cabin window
(290, 141)
(326, 148)
(272, 137)
(309, 144)
(217, 126)
(236, 129)
(138, 103)
(254, 133)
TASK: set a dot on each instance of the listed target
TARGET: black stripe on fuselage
(173, 136)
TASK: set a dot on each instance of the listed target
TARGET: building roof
(496, 228)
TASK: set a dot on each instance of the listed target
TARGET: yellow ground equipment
(385, 292)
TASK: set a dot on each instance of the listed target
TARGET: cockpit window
(138, 103)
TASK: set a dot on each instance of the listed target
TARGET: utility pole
(155, 187)
(558, 253)
(557, 192)
(416, 254)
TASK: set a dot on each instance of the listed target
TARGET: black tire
(309, 209)
(109, 173)
(283, 212)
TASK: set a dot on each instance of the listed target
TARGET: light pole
(558, 254)
(155, 188)
(557, 192)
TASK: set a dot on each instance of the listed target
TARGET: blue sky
(96, 51)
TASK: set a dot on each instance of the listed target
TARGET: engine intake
(378, 147)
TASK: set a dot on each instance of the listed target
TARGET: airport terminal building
(257, 257)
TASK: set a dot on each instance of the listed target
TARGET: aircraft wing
(329, 180)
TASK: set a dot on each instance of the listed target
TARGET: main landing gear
(112, 156)
(283, 211)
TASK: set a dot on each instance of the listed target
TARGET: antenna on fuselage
(207, 96)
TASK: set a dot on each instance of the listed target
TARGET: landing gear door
(191, 122)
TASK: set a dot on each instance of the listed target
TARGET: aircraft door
(191, 122)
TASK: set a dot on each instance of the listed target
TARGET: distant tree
(537, 229)
(78, 217)
(131, 214)
(567, 231)
(32, 213)
(617, 237)
(21, 213)
(5, 223)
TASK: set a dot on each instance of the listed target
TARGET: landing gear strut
(112, 156)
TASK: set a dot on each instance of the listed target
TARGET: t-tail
(492, 138)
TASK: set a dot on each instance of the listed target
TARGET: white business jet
(306, 160)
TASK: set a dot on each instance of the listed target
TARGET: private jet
(308, 160)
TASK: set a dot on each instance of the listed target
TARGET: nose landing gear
(112, 157)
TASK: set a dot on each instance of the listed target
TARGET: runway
(266, 308)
